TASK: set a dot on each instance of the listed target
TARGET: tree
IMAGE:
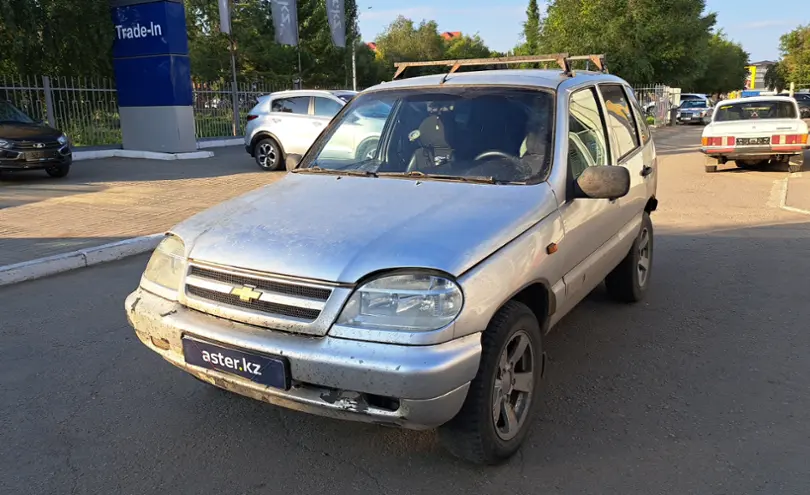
(531, 31)
(402, 41)
(645, 41)
(725, 68)
(795, 48)
(775, 77)
(466, 47)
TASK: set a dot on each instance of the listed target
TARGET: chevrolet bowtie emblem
(246, 293)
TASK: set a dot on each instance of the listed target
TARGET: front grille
(263, 306)
(32, 145)
(263, 285)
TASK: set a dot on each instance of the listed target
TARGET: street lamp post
(354, 60)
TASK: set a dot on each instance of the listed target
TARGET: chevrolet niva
(412, 285)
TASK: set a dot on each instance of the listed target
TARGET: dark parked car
(803, 100)
(28, 145)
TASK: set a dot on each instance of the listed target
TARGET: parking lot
(702, 388)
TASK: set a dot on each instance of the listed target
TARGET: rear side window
(620, 119)
(298, 105)
(324, 107)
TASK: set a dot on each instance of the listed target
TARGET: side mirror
(293, 160)
(603, 182)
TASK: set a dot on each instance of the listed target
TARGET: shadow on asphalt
(87, 176)
(707, 376)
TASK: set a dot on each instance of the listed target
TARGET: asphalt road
(702, 389)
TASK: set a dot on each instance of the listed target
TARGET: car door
(341, 145)
(589, 223)
(633, 151)
(290, 123)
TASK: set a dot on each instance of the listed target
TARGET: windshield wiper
(330, 171)
(456, 178)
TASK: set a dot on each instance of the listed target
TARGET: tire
(58, 171)
(474, 435)
(795, 164)
(750, 164)
(626, 283)
(366, 148)
(268, 155)
(710, 169)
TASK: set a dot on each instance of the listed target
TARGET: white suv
(289, 122)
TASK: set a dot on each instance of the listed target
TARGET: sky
(749, 22)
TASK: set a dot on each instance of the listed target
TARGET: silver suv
(289, 122)
(412, 285)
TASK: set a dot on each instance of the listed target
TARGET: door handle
(645, 171)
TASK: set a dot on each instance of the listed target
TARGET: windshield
(694, 104)
(755, 110)
(9, 113)
(493, 134)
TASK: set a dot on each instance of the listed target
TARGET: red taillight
(713, 141)
(252, 117)
(776, 139)
(730, 141)
(789, 139)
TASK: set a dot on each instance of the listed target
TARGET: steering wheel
(495, 154)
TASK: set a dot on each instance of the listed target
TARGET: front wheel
(628, 282)
(498, 411)
(58, 171)
(268, 155)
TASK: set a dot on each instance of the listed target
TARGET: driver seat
(433, 150)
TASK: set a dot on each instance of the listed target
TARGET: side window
(639, 116)
(587, 139)
(620, 119)
(324, 107)
(298, 105)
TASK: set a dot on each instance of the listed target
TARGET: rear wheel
(628, 282)
(498, 411)
(796, 163)
(268, 155)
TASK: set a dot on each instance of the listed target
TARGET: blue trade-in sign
(156, 28)
(157, 81)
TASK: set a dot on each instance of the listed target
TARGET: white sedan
(755, 131)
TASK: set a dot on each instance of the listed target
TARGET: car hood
(340, 228)
(21, 131)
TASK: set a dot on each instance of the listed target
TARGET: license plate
(754, 141)
(37, 155)
(266, 370)
(687, 117)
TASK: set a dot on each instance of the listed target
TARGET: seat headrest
(432, 132)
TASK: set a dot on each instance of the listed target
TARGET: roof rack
(562, 59)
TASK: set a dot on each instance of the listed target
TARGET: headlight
(408, 302)
(165, 267)
(62, 139)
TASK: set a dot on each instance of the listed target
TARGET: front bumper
(16, 159)
(415, 387)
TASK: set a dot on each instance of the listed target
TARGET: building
(372, 46)
(450, 35)
(756, 75)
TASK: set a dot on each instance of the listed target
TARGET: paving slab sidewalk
(109, 200)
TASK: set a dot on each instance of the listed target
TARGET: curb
(220, 143)
(784, 184)
(43, 267)
(150, 155)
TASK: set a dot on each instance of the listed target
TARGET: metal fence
(656, 102)
(86, 109)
